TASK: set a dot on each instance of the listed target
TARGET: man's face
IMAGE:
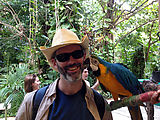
(69, 62)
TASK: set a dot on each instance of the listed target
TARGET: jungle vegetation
(122, 31)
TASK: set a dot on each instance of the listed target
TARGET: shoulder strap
(38, 96)
(99, 103)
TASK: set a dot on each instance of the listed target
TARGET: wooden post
(5, 112)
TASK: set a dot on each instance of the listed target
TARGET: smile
(73, 68)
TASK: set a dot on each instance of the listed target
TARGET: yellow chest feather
(110, 82)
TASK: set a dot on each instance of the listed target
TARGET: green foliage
(11, 43)
(107, 23)
(138, 63)
(10, 51)
(48, 77)
(11, 85)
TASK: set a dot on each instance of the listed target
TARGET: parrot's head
(93, 63)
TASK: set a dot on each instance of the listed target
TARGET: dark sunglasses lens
(77, 54)
(62, 57)
(66, 56)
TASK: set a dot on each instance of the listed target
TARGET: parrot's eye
(95, 62)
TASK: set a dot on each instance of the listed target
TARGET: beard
(71, 77)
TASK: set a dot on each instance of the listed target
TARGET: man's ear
(54, 62)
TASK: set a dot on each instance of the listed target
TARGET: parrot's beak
(92, 65)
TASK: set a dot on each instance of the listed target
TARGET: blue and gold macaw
(118, 80)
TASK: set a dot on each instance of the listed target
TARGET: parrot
(118, 80)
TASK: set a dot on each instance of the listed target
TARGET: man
(68, 98)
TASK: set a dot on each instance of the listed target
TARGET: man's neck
(69, 88)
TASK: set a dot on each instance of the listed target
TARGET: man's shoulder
(29, 96)
(51, 88)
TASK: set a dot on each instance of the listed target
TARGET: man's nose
(71, 60)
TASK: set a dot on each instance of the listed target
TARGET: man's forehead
(69, 47)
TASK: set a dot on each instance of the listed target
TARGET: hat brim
(48, 52)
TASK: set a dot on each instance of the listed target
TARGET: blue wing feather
(127, 79)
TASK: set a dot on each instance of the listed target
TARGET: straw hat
(64, 37)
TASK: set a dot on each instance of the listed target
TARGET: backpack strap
(38, 96)
(99, 103)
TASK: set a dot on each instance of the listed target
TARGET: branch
(19, 32)
(6, 8)
(134, 9)
(133, 12)
(154, 42)
(17, 21)
(133, 30)
(10, 26)
(15, 16)
(149, 43)
(101, 2)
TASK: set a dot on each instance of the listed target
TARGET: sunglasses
(66, 56)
